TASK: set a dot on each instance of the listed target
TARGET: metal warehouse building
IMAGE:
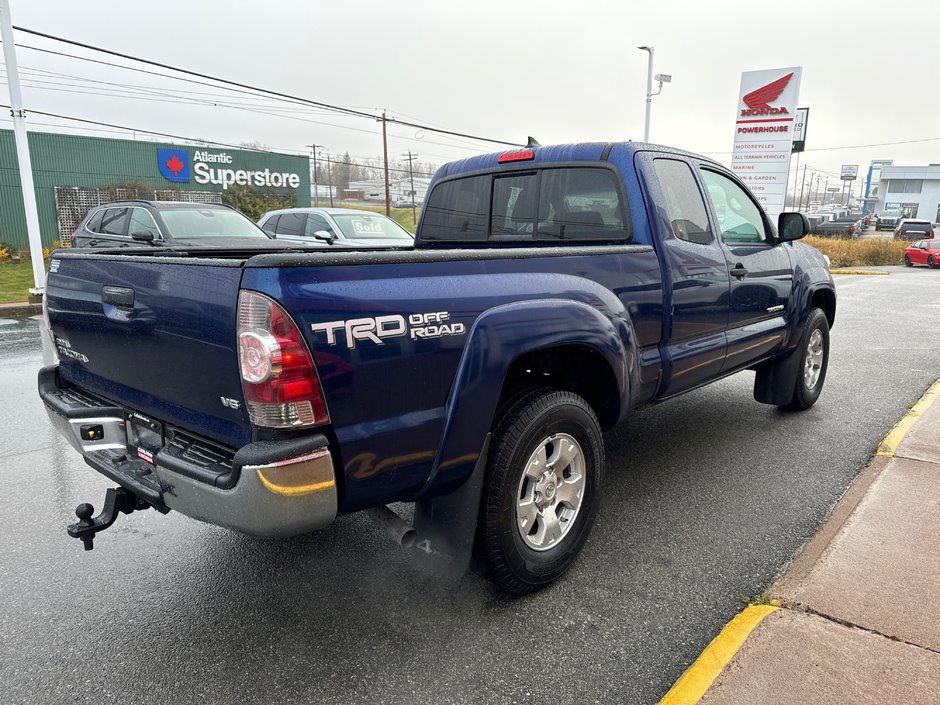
(75, 173)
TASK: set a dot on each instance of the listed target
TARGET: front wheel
(907, 261)
(930, 262)
(814, 353)
(540, 493)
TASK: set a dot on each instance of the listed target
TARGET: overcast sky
(561, 71)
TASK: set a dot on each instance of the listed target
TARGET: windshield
(360, 226)
(891, 214)
(196, 223)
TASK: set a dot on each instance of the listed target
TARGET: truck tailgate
(154, 334)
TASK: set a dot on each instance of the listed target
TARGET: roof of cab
(581, 151)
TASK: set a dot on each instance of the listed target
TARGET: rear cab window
(550, 203)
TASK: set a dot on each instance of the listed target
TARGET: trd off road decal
(416, 326)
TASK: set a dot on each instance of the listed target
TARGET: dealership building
(74, 173)
(914, 190)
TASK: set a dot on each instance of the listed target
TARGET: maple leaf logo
(763, 96)
(175, 165)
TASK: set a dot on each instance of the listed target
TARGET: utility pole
(316, 187)
(411, 175)
(826, 189)
(799, 206)
(329, 175)
(388, 202)
(22, 154)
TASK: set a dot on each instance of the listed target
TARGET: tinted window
(270, 224)
(683, 200)
(94, 223)
(291, 224)
(114, 221)
(457, 210)
(317, 222)
(515, 197)
(580, 204)
(739, 217)
(142, 222)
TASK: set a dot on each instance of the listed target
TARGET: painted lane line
(698, 677)
(891, 442)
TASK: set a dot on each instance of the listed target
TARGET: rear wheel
(930, 262)
(907, 261)
(540, 493)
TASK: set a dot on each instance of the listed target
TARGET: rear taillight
(70, 241)
(523, 155)
(279, 379)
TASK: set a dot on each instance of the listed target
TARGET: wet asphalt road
(706, 499)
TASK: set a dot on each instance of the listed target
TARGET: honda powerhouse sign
(763, 133)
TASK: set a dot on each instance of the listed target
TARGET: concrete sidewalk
(859, 608)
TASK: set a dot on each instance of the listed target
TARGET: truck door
(695, 277)
(760, 269)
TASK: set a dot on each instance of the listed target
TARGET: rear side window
(114, 221)
(564, 203)
(458, 210)
(270, 224)
(291, 224)
(94, 223)
(684, 204)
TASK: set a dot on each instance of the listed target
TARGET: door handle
(738, 271)
(118, 296)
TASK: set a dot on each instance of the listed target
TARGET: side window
(457, 210)
(739, 218)
(580, 204)
(94, 223)
(291, 224)
(270, 224)
(684, 205)
(142, 221)
(515, 198)
(114, 221)
(317, 222)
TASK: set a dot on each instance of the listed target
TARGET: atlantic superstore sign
(763, 134)
(218, 168)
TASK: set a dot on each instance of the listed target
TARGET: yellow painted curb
(698, 677)
(891, 442)
(870, 272)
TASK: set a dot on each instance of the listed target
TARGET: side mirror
(143, 236)
(792, 226)
(324, 235)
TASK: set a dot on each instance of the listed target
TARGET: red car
(923, 252)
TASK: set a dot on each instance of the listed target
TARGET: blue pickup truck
(549, 291)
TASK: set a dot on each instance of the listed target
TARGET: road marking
(891, 442)
(862, 272)
(698, 677)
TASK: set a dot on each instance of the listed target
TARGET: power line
(245, 86)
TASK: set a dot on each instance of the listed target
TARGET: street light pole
(22, 153)
(649, 91)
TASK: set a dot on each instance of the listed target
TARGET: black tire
(804, 395)
(506, 557)
(907, 261)
(930, 262)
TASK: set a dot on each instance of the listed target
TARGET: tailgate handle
(118, 296)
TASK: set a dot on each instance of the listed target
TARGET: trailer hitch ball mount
(117, 500)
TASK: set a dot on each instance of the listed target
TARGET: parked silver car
(335, 226)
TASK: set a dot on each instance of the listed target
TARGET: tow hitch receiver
(116, 500)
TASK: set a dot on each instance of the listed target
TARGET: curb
(891, 442)
(19, 310)
(698, 677)
(860, 272)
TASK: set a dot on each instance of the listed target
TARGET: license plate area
(144, 436)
